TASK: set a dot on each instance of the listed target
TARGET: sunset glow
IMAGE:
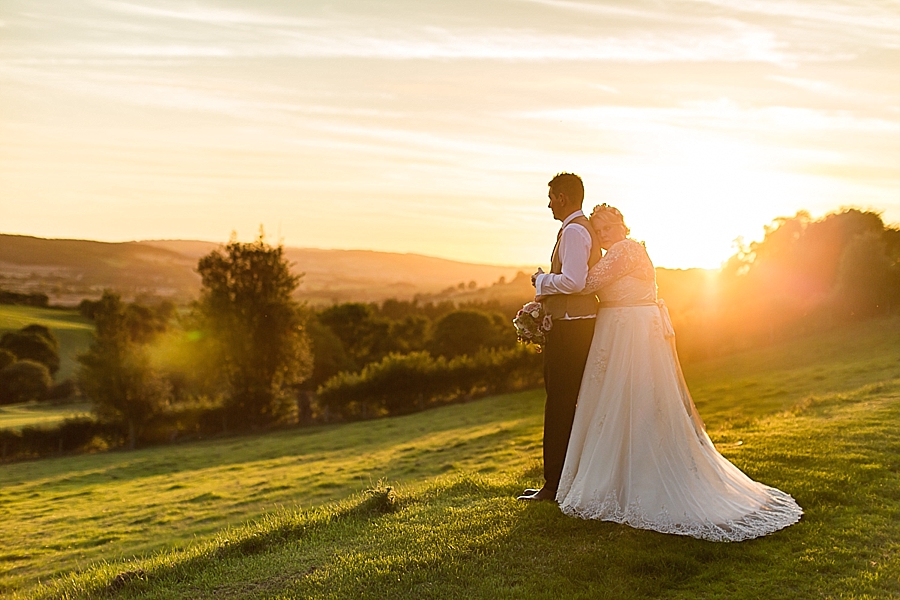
(433, 128)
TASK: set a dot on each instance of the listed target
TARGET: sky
(433, 127)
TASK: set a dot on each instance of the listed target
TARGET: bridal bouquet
(532, 324)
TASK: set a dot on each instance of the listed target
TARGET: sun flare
(435, 131)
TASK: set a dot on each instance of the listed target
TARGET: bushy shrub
(404, 383)
(64, 390)
(33, 342)
(72, 435)
(467, 332)
(24, 381)
(33, 299)
(199, 418)
(6, 358)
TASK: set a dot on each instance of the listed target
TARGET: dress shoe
(538, 495)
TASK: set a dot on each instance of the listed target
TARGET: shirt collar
(572, 217)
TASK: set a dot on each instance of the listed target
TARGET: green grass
(17, 416)
(455, 530)
(65, 513)
(741, 387)
(71, 329)
(464, 536)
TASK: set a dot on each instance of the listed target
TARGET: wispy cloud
(208, 14)
(721, 114)
(218, 33)
(387, 106)
(434, 44)
(881, 16)
(642, 12)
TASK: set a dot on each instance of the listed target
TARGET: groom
(573, 314)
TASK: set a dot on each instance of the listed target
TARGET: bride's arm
(615, 264)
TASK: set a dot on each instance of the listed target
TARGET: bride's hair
(609, 214)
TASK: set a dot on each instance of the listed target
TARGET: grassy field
(71, 329)
(17, 416)
(817, 418)
(463, 536)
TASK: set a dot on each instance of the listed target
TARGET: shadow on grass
(461, 537)
(465, 536)
(317, 442)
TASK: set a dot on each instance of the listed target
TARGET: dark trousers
(565, 354)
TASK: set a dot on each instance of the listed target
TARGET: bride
(638, 452)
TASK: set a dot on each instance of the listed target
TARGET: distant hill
(70, 270)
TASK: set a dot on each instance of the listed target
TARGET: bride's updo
(604, 213)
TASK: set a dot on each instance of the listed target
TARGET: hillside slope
(71, 330)
(456, 470)
(465, 536)
(69, 270)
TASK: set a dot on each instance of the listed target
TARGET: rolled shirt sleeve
(574, 253)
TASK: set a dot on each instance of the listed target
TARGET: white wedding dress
(638, 453)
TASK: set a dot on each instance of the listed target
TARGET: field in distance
(71, 270)
(40, 414)
(71, 329)
(457, 469)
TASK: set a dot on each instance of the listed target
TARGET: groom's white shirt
(574, 252)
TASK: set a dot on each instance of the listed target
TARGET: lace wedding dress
(638, 453)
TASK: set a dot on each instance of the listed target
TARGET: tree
(33, 342)
(116, 372)
(465, 332)
(6, 358)
(410, 334)
(805, 274)
(865, 281)
(255, 328)
(329, 357)
(24, 381)
(365, 336)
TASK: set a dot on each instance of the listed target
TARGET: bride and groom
(622, 438)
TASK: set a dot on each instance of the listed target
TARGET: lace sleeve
(615, 264)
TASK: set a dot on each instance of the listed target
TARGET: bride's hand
(538, 298)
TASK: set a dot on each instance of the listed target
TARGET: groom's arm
(574, 252)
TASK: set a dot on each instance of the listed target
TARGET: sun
(696, 193)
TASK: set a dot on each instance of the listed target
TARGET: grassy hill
(817, 418)
(40, 414)
(70, 270)
(71, 329)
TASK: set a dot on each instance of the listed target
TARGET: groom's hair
(569, 184)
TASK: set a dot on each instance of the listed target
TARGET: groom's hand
(540, 271)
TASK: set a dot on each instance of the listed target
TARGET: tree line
(246, 355)
(37, 299)
(805, 275)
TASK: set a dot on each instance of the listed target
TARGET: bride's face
(608, 233)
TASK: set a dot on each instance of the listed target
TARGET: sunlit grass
(740, 387)
(17, 416)
(457, 470)
(67, 512)
(463, 535)
(71, 329)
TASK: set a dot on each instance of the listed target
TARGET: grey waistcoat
(573, 305)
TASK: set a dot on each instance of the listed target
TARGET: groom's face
(558, 205)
